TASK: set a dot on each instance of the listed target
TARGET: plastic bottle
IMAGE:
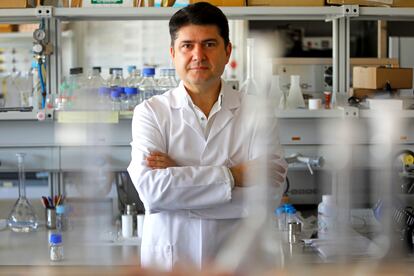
(130, 100)
(167, 80)
(291, 215)
(148, 86)
(61, 218)
(56, 247)
(116, 98)
(295, 98)
(327, 213)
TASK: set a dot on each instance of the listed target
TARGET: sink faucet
(316, 162)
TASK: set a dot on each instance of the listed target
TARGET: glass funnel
(22, 217)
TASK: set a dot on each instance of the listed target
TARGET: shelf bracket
(44, 11)
(350, 112)
(346, 11)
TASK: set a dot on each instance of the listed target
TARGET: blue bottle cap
(115, 93)
(148, 72)
(104, 91)
(60, 209)
(279, 211)
(131, 90)
(291, 211)
(55, 238)
(131, 68)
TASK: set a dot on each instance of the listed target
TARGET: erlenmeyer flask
(250, 86)
(22, 217)
(295, 98)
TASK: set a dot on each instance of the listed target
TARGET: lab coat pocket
(157, 256)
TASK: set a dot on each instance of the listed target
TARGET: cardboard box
(377, 77)
(403, 3)
(286, 3)
(223, 3)
(17, 4)
(8, 28)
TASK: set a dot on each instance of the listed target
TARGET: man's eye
(210, 44)
(186, 46)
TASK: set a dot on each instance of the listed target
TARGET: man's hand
(158, 160)
(244, 173)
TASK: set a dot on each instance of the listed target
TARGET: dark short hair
(200, 13)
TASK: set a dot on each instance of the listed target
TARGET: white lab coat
(191, 209)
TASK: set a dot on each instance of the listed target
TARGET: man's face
(199, 54)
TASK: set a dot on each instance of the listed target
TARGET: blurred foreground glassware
(250, 86)
(22, 217)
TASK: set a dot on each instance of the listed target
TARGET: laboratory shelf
(17, 115)
(306, 113)
(18, 15)
(368, 113)
(157, 13)
(376, 13)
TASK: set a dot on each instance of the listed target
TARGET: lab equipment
(127, 224)
(250, 86)
(315, 104)
(132, 211)
(295, 97)
(56, 247)
(148, 86)
(22, 218)
(167, 80)
(275, 93)
(61, 218)
(294, 232)
(316, 162)
(50, 218)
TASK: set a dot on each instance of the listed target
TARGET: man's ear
(172, 52)
(229, 48)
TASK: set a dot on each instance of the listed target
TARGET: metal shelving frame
(340, 17)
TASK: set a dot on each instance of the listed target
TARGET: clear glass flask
(250, 86)
(22, 218)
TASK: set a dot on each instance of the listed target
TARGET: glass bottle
(56, 247)
(130, 100)
(104, 98)
(148, 86)
(22, 217)
(167, 80)
(117, 79)
(61, 218)
(250, 86)
(131, 69)
(295, 97)
(116, 99)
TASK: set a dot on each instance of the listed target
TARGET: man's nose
(198, 52)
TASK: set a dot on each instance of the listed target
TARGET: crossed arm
(240, 172)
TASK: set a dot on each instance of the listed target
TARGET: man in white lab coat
(194, 145)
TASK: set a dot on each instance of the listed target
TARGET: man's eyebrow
(203, 41)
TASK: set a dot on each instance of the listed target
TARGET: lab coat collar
(231, 97)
